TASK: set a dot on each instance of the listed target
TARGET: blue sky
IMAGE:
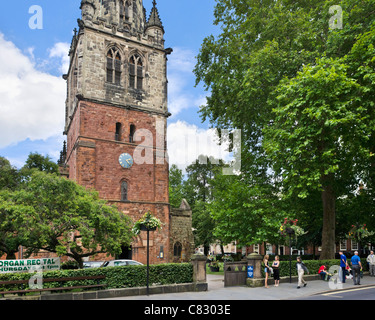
(32, 92)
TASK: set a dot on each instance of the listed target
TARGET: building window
(354, 245)
(268, 248)
(124, 191)
(132, 132)
(118, 131)
(136, 72)
(113, 66)
(256, 248)
(177, 249)
(343, 244)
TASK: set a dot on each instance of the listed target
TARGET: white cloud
(181, 82)
(31, 102)
(182, 60)
(186, 142)
(60, 51)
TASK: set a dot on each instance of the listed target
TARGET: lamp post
(290, 232)
(144, 228)
(148, 261)
(147, 223)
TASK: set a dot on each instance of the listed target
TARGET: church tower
(116, 114)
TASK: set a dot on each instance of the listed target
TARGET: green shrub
(116, 277)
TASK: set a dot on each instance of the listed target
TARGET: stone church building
(116, 121)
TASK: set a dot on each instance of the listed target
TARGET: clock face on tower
(125, 160)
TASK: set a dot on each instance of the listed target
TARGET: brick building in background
(116, 119)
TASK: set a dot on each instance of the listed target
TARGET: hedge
(116, 277)
(312, 265)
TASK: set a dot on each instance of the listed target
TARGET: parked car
(92, 264)
(121, 262)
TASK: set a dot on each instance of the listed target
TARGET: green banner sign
(27, 265)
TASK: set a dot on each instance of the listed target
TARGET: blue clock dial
(126, 160)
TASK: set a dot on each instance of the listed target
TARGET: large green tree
(263, 42)
(247, 213)
(316, 139)
(16, 222)
(198, 190)
(9, 177)
(55, 214)
(176, 193)
(41, 163)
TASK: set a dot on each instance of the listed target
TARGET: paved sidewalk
(284, 291)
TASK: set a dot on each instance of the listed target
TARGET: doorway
(127, 253)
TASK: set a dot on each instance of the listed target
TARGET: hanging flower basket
(147, 223)
(145, 228)
(359, 232)
(290, 228)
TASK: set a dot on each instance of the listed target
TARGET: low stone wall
(115, 293)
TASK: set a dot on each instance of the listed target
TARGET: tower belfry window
(113, 66)
(132, 132)
(136, 72)
(118, 131)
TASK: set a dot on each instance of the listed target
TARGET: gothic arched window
(177, 249)
(114, 66)
(136, 72)
(124, 191)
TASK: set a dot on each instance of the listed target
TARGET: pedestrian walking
(267, 270)
(343, 266)
(356, 267)
(276, 271)
(371, 261)
(301, 269)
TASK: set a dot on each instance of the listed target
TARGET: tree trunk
(222, 248)
(206, 249)
(329, 220)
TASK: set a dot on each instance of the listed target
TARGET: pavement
(285, 291)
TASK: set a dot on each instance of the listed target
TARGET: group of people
(356, 268)
(274, 269)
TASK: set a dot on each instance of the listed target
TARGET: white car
(92, 264)
(122, 262)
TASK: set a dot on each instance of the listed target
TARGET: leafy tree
(176, 193)
(16, 221)
(200, 176)
(198, 189)
(249, 214)
(9, 177)
(71, 220)
(263, 42)
(204, 226)
(41, 163)
(316, 137)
